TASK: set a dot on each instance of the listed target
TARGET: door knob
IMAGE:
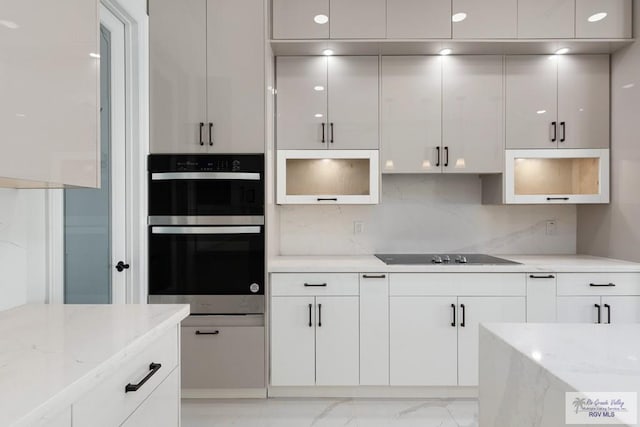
(121, 266)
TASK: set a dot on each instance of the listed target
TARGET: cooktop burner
(443, 259)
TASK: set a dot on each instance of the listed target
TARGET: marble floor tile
(330, 413)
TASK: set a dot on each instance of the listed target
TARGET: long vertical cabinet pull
(608, 307)
(323, 138)
(563, 125)
(320, 315)
(453, 310)
(201, 127)
(331, 141)
(597, 306)
(310, 309)
(464, 316)
(446, 157)
(438, 155)
(210, 134)
(554, 131)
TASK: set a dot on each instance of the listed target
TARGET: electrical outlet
(358, 227)
(552, 227)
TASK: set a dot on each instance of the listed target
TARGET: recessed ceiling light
(597, 17)
(327, 52)
(562, 51)
(9, 24)
(628, 86)
(446, 51)
(541, 111)
(459, 17)
(318, 115)
(321, 19)
(318, 88)
(94, 55)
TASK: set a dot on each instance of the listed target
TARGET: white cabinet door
(358, 19)
(578, 309)
(592, 23)
(337, 342)
(49, 87)
(423, 341)
(621, 309)
(411, 114)
(178, 75)
(418, 19)
(583, 101)
(300, 19)
(546, 19)
(293, 341)
(162, 407)
(472, 104)
(472, 312)
(301, 102)
(353, 102)
(235, 76)
(531, 101)
(541, 298)
(487, 19)
(374, 329)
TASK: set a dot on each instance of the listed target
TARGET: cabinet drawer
(599, 284)
(472, 284)
(302, 284)
(108, 404)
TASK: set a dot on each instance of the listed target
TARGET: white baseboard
(224, 393)
(375, 392)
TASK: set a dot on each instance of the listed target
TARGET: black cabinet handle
(327, 199)
(323, 139)
(550, 276)
(380, 276)
(320, 315)
(210, 134)
(554, 126)
(453, 309)
(331, 133)
(557, 198)
(315, 285)
(201, 126)
(464, 316)
(310, 307)
(564, 131)
(598, 307)
(602, 285)
(121, 266)
(608, 307)
(438, 155)
(446, 157)
(153, 368)
(208, 333)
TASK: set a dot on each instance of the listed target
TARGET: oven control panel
(206, 163)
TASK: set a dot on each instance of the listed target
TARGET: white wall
(421, 213)
(22, 247)
(614, 230)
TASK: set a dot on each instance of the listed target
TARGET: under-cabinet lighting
(562, 51)
(318, 88)
(597, 17)
(446, 51)
(459, 17)
(321, 19)
(327, 52)
(94, 55)
(9, 24)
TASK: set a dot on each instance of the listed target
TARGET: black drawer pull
(368, 276)
(320, 315)
(207, 333)
(201, 126)
(602, 285)
(550, 276)
(598, 307)
(438, 154)
(327, 199)
(464, 316)
(210, 134)
(310, 324)
(453, 309)
(557, 198)
(153, 368)
(323, 133)
(608, 307)
(315, 285)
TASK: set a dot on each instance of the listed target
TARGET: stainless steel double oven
(206, 232)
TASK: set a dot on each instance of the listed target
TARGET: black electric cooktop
(442, 259)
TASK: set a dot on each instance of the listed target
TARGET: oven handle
(205, 230)
(171, 176)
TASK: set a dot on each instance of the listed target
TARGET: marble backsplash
(427, 213)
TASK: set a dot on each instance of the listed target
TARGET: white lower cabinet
(577, 309)
(162, 408)
(595, 309)
(374, 329)
(621, 309)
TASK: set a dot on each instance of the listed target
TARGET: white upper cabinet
(300, 19)
(205, 98)
(357, 19)
(603, 19)
(411, 114)
(583, 101)
(327, 102)
(472, 109)
(418, 19)
(49, 89)
(487, 19)
(546, 19)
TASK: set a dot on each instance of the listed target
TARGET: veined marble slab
(371, 264)
(526, 369)
(50, 355)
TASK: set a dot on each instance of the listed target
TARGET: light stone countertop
(371, 264)
(50, 355)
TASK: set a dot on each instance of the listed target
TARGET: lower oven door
(216, 269)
